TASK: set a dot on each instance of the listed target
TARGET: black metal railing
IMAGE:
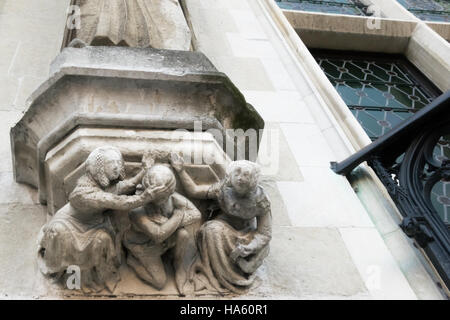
(413, 162)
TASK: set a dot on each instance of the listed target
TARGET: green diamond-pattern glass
(380, 94)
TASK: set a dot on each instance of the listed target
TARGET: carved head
(105, 164)
(243, 176)
(160, 176)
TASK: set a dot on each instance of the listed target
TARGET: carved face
(113, 165)
(243, 179)
(105, 164)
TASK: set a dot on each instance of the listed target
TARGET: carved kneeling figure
(168, 222)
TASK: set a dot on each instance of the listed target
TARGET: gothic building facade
(349, 103)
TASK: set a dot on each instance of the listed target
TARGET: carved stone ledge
(118, 87)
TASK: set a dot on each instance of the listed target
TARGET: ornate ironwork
(413, 162)
(350, 7)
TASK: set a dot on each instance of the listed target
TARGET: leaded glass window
(351, 7)
(380, 91)
(433, 10)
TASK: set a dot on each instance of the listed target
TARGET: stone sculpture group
(110, 220)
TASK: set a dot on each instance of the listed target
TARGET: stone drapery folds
(158, 24)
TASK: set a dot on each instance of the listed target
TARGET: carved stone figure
(166, 222)
(81, 233)
(158, 24)
(234, 244)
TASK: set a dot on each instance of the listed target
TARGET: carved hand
(176, 161)
(152, 193)
(148, 195)
(240, 251)
(147, 160)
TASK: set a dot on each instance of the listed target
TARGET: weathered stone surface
(279, 212)
(148, 23)
(19, 226)
(119, 61)
(308, 262)
(14, 192)
(7, 120)
(275, 156)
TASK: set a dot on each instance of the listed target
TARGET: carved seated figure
(168, 222)
(235, 243)
(80, 233)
